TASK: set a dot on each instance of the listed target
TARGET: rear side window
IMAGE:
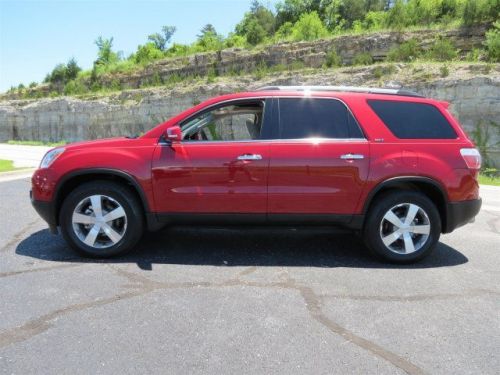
(323, 118)
(413, 120)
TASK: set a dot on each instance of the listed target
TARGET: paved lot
(23, 156)
(246, 300)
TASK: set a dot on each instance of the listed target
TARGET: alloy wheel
(99, 221)
(405, 228)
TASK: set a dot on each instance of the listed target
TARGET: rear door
(319, 158)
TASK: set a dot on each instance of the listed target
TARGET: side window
(408, 120)
(324, 118)
(232, 122)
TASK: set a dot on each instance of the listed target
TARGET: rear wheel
(101, 219)
(402, 227)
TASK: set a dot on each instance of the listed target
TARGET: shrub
(309, 27)
(474, 55)
(32, 84)
(381, 71)
(444, 71)
(442, 50)
(333, 59)
(363, 58)
(75, 87)
(406, 51)
(146, 53)
(492, 42)
(477, 11)
(235, 41)
(397, 17)
(178, 50)
(375, 20)
(261, 70)
(284, 32)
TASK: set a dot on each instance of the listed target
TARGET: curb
(16, 175)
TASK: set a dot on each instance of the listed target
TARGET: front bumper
(47, 212)
(460, 213)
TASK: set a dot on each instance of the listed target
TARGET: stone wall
(473, 90)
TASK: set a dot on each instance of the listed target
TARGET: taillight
(472, 157)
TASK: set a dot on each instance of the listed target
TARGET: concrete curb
(16, 175)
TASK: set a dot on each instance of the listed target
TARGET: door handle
(250, 157)
(352, 156)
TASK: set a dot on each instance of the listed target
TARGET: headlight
(50, 156)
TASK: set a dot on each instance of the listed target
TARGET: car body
(290, 155)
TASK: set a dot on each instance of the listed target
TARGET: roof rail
(368, 90)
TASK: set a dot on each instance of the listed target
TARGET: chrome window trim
(296, 140)
(263, 98)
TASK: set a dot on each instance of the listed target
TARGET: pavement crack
(313, 305)
(41, 269)
(413, 298)
(43, 323)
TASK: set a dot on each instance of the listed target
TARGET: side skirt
(158, 220)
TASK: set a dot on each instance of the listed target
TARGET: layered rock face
(472, 89)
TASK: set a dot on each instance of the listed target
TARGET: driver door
(221, 164)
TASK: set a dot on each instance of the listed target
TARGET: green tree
(105, 54)
(257, 24)
(161, 40)
(208, 39)
(62, 73)
(398, 17)
(72, 69)
(309, 27)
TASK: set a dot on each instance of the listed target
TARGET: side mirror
(173, 134)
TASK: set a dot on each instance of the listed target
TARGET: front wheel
(101, 219)
(402, 227)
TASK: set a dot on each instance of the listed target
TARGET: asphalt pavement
(246, 300)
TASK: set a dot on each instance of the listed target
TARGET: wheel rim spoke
(83, 219)
(95, 201)
(391, 238)
(115, 214)
(412, 212)
(393, 219)
(409, 246)
(111, 233)
(420, 229)
(92, 235)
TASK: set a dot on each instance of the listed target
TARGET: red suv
(389, 164)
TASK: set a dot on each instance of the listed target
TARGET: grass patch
(37, 143)
(6, 165)
(489, 180)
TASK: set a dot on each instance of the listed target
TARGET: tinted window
(413, 120)
(325, 118)
(231, 122)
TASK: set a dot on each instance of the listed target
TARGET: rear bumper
(460, 213)
(46, 210)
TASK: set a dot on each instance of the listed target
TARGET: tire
(388, 219)
(88, 232)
